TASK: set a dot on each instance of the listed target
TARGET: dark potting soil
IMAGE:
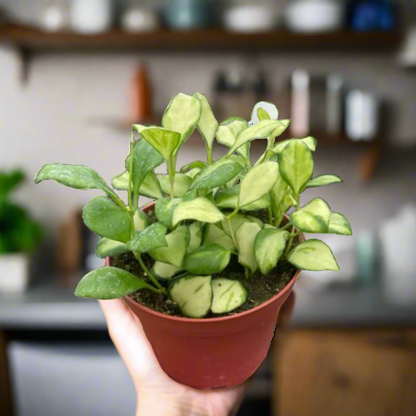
(260, 288)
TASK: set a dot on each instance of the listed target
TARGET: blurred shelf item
(407, 56)
(250, 18)
(209, 39)
(140, 95)
(315, 16)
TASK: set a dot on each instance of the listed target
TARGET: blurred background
(74, 74)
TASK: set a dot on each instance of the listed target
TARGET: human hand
(158, 394)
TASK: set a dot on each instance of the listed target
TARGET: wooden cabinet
(345, 373)
(5, 394)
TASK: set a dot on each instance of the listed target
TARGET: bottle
(141, 104)
(300, 104)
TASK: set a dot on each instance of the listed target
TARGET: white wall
(48, 119)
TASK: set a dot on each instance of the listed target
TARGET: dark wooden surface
(214, 39)
(346, 373)
(6, 408)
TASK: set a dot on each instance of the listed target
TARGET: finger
(129, 338)
(286, 311)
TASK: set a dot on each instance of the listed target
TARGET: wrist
(161, 405)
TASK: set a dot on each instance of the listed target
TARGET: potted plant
(207, 266)
(19, 235)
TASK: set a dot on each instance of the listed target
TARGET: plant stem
(209, 154)
(130, 197)
(117, 200)
(233, 213)
(270, 216)
(267, 153)
(286, 226)
(231, 231)
(292, 233)
(248, 163)
(171, 166)
(289, 244)
(146, 270)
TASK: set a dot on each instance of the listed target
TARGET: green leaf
(105, 218)
(149, 239)
(207, 124)
(296, 165)
(178, 242)
(164, 271)
(228, 131)
(207, 260)
(309, 141)
(215, 235)
(229, 199)
(182, 183)
(145, 160)
(228, 295)
(109, 283)
(216, 174)
(164, 141)
(193, 294)
(150, 186)
(258, 182)
(121, 182)
(196, 234)
(313, 255)
(281, 128)
(261, 130)
(338, 224)
(237, 221)
(182, 115)
(74, 176)
(263, 114)
(193, 172)
(264, 110)
(109, 248)
(191, 166)
(140, 220)
(322, 180)
(164, 209)
(268, 248)
(199, 209)
(313, 217)
(191, 194)
(280, 199)
(140, 127)
(246, 236)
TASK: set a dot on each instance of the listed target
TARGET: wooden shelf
(210, 39)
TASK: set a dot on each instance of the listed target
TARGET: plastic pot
(214, 353)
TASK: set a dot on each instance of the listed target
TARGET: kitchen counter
(46, 305)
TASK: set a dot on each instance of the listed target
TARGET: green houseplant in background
(216, 243)
(19, 236)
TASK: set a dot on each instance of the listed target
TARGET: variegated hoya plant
(204, 211)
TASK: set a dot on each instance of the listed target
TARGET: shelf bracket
(26, 57)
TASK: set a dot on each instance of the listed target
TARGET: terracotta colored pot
(214, 353)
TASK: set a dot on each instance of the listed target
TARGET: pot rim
(287, 288)
(206, 321)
